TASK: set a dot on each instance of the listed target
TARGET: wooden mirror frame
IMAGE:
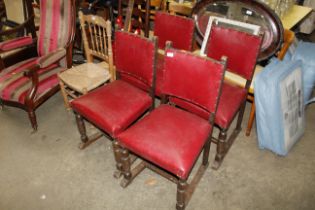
(270, 23)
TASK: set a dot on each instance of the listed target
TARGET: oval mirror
(249, 11)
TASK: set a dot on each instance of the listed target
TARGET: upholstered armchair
(29, 83)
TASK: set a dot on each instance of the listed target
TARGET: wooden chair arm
(51, 58)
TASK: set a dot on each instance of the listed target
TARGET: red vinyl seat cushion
(230, 101)
(168, 137)
(113, 107)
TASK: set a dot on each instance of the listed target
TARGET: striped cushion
(15, 43)
(55, 21)
(14, 85)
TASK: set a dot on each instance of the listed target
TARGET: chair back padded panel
(131, 63)
(201, 91)
(242, 45)
(55, 22)
(173, 28)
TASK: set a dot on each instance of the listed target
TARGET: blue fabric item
(279, 106)
(305, 52)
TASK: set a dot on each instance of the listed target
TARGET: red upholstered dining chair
(31, 82)
(241, 49)
(113, 107)
(170, 138)
(177, 29)
(17, 32)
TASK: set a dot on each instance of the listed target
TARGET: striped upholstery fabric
(55, 33)
(14, 85)
(15, 43)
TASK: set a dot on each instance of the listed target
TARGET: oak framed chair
(17, 34)
(170, 138)
(177, 29)
(115, 106)
(81, 79)
(242, 58)
(31, 82)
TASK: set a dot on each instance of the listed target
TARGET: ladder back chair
(179, 30)
(79, 80)
(113, 107)
(171, 137)
(241, 49)
(29, 83)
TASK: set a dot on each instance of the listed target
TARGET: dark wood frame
(31, 103)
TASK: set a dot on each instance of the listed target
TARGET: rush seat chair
(241, 49)
(115, 106)
(17, 33)
(171, 137)
(81, 79)
(177, 29)
(29, 83)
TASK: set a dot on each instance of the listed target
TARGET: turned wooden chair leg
(221, 148)
(206, 151)
(181, 195)
(1, 104)
(126, 168)
(1, 61)
(82, 130)
(64, 95)
(251, 119)
(117, 154)
(32, 117)
(240, 118)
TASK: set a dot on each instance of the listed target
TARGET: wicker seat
(81, 79)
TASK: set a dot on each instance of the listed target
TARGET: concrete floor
(46, 170)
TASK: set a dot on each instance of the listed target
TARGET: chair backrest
(191, 80)
(241, 48)
(135, 59)
(179, 30)
(97, 40)
(56, 25)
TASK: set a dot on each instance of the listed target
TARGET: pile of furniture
(127, 72)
